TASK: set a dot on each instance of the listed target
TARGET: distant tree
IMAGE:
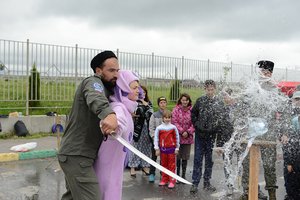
(2, 66)
(34, 87)
(175, 90)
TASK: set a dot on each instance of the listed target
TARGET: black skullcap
(265, 64)
(162, 98)
(99, 59)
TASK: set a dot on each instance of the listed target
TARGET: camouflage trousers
(268, 156)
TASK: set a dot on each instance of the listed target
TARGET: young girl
(109, 165)
(181, 118)
(166, 144)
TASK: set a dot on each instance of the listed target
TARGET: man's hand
(185, 134)
(176, 151)
(109, 124)
(284, 139)
(219, 151)
(157, 152)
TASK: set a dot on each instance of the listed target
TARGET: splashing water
(257, 101)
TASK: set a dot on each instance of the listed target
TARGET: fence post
(208, 69)
(76, 64)
(231, 71)
(251, 71)
(27, 77)
(117, 53)
(152, 66)
(182, 67)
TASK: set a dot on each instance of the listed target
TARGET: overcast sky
(220, 30)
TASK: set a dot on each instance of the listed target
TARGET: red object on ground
(288, 87)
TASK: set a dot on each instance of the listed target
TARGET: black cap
(162, 98)
(99, 59)
(265, 64)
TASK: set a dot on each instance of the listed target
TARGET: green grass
(57, 95)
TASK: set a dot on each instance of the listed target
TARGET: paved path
(43, 176)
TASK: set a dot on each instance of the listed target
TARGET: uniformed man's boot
(261, 195)
(272, 194)
(244, 195)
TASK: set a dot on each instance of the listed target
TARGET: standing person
(275, 128)
(83, 135)
(109, 165)
(181, 118)
(166, 145)
(287, 146)
(155, 121)
(141, 138)
(292, 160)
(206, 116)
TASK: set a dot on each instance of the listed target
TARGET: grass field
(57, 95)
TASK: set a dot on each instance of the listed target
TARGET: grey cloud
(245, 20)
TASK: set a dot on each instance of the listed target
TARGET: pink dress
(109, 165)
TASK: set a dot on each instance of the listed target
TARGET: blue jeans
(203, 148)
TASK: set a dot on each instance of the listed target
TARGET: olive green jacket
(83, 135)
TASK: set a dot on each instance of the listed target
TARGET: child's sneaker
(171, 185)
(151, 178)
(162, 183)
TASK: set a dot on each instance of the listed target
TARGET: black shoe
(194, 189)
(244, 196)
(133, 175)
(146, 173)
(229, 191)
(209, 187)
(287, 197)
(262, 196)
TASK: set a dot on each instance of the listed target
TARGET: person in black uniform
(84, 133)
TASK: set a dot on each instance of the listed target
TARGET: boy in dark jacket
(206, 116)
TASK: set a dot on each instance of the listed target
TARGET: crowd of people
(112, 103)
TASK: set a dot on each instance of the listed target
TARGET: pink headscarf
(122, 89)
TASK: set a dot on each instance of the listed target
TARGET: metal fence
(61, 68)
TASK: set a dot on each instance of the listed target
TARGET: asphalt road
(43, 176)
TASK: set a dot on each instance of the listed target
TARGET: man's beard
(109, 85)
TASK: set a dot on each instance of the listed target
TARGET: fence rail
(61, 68)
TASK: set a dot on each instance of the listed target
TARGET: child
(166, 144)
(206, 115)
(155, 121)
(181, 118)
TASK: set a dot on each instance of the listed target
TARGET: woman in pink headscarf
(109, 165)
